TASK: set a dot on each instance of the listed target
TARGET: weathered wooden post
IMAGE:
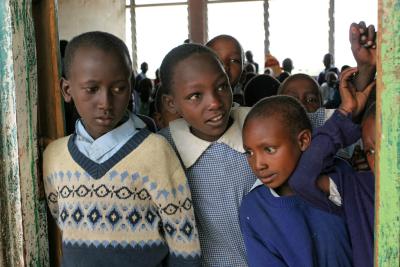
(23, 232)
(197, 12)
(387, 224)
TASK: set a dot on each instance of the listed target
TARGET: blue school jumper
(356, 189)
(126, 211)
(286, 231)
(219, 177)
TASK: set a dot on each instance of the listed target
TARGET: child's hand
(353, 101)
(363, 46)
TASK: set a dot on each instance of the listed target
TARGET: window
(158, 30)
(242, 20)
(347, 12)
(299, 30)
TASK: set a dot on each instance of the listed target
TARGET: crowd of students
(254, 182)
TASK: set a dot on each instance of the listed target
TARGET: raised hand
(363, 46)
(353, 101)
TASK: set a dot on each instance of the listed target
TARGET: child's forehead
(226, 42)
(265, 119)
(88, 53)
(301, 83)
(203, 61)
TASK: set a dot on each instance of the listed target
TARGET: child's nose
(260, 163)
(105, 99)
(215, 101)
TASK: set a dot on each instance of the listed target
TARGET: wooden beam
(387, 223)
(197, 10)
(331, 16)
(50, 103)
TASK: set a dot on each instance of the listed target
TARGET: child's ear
(304, 139)
(169, 103)
(66, 90)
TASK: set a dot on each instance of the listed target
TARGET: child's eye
(194, 96)
(370, 152)
(91, 90)
(311, 100)
(270, 150)
(248, 153)
(118, 89)
(236, 61)
(223, 87)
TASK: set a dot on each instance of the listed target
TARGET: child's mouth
(216, 121)
(268, 179)
(104, 120)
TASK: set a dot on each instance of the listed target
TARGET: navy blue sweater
(286, 231)
(356, 189)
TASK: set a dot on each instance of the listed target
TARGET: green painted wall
(23, 234)
(388, 174)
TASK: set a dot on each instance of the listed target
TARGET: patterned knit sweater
(134, 209)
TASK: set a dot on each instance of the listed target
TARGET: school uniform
(219, 177)
(354, 200)
(287, 231)
(120, 200)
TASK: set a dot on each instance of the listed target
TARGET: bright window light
(299, 30)
(347, 12)
(158, 30)
(242, 20)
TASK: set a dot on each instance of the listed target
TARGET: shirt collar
(108, 141)
(190, 147)
(259, 183)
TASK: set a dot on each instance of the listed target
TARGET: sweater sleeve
(174, 203)
(48, 180)
(338, 132)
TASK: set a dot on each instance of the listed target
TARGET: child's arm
(171, 194)
(339, 131)
(363, 47)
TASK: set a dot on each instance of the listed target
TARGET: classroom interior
(32, 109)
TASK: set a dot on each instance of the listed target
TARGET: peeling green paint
(23, 232)
(388, 178)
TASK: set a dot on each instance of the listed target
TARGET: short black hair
(96, 39)
(287, 109)
(177, 55)
(259, 87)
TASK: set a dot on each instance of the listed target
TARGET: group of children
(220, 185)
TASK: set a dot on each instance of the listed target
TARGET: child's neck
(284, 190)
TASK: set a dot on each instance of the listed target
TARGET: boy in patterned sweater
(117, 191)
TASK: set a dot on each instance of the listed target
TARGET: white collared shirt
(190, 147)
(107, 145)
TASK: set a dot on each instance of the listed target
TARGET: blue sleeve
(258, 254)
(338, 132)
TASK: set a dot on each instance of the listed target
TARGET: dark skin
(201, 94)
(273, 152)
(231, 55)
(305, 91)
(99, 86)
(363, 47)
(353, 102)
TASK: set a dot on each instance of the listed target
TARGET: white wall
(78, 16)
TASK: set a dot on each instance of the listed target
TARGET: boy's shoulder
(56, 145)
(253, 199)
